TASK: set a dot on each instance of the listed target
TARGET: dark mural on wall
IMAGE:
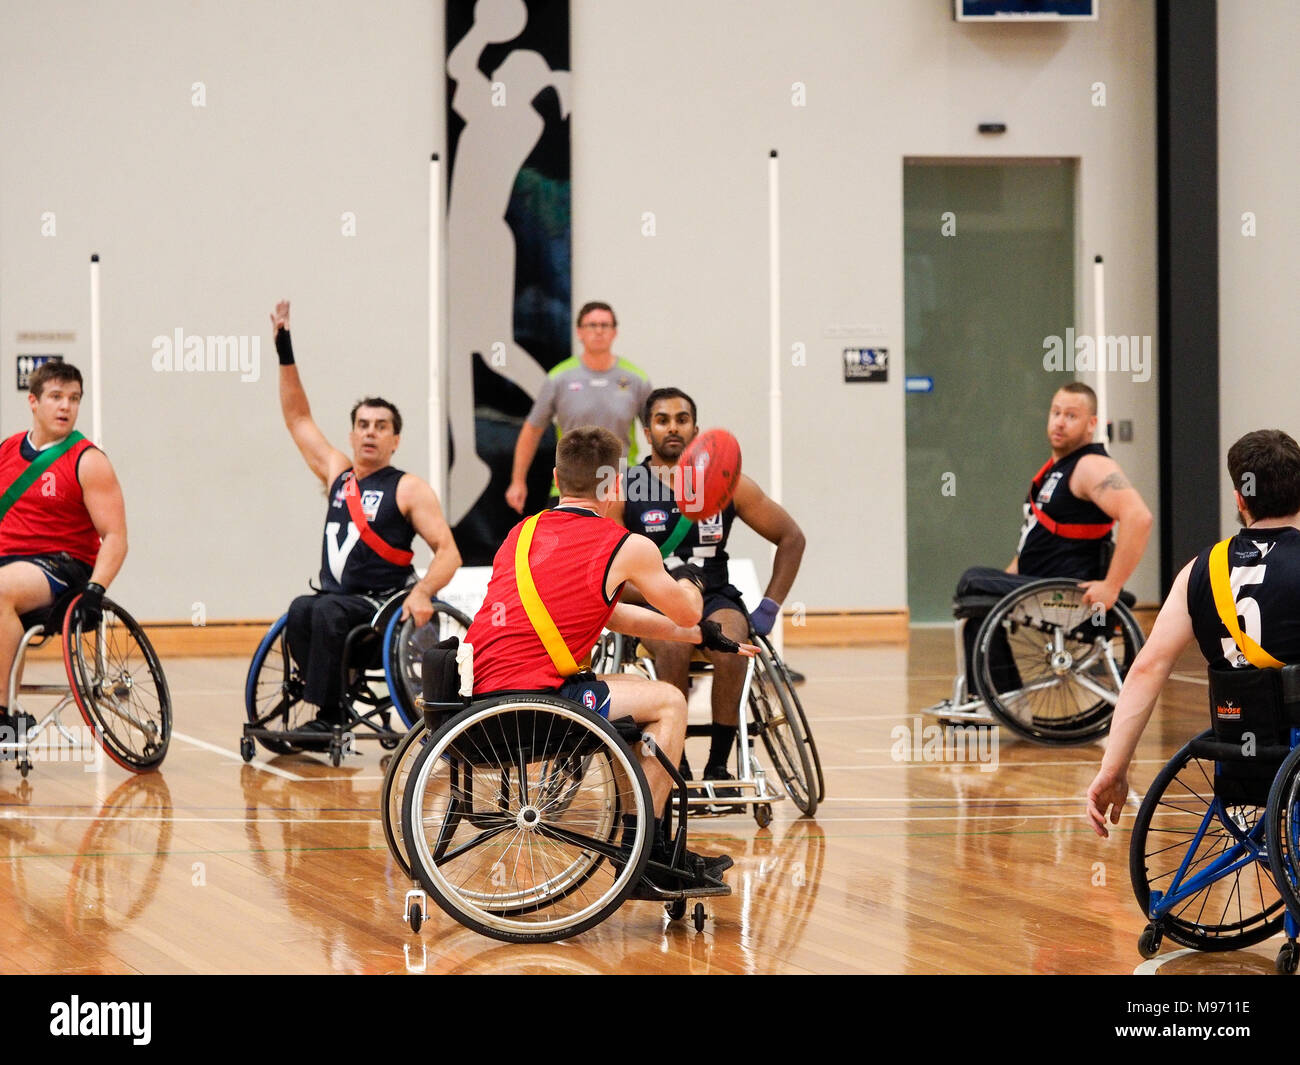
(508, 249)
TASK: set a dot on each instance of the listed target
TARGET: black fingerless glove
(92, 605)
(714, 640)
(284, 347)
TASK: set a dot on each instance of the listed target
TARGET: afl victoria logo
(589, 699)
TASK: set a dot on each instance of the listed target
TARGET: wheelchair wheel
(404, 647)
(273, 690)
(1182, 823)
(1069, 669)
(782, 675)
(1282, 832)
(506, 839)
(616, 653)
(118, 685)
(779, 720)
(393, 788)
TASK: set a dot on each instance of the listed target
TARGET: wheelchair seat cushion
(440, 680)
(50, 618)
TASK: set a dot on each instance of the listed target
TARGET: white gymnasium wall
(1259, 156)
(205, 216)
(678, 106)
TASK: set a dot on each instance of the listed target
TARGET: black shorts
(62, 571)
(724, 597)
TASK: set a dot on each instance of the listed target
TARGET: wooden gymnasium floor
(214, 866)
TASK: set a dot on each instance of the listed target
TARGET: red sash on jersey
(369, 537)
(1065, 530)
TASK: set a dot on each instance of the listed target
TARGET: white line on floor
(274, 770)
(1187, 678)
(972, 762)
(18, 815)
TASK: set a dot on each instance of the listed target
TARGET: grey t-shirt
(574, 395)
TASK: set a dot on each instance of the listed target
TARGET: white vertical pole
(1099, 338)
(96, 377)
(775, 489)
(437, 426)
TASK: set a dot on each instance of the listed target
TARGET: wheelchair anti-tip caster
(763, 814)
(415, 909)
(1288, 957)
(699, 917)
(1149, 941)
(24, 766)
(246, 749)
(676, 909)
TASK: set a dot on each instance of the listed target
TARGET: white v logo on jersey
(336, 553)
(1264, 548)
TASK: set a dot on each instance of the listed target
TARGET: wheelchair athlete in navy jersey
(1073, 505)
(1262, 564)
(375, 511)
(650, 509)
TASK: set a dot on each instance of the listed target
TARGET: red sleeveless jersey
(569, 559)
(51, 515)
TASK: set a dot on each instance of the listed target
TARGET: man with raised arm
(375, 511)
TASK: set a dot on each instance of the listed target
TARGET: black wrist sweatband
(284, 347)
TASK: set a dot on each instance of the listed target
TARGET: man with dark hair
(650, 508)
(374, 512)
(1074, 502)
(62, 518)
(594, 388)
(578, 562)
(1262, 571)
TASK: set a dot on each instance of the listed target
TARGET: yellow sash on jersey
(1221, 586)
(538, 616)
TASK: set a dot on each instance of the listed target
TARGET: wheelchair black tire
(1184, 788)
(127, 695)
(1282, 831)
(391, 791)
(1081, 723)
(779, 721)
(279, 691)
(403, 658)
(783, 672)
(520, 915)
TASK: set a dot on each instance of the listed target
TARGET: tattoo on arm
(1114, 480)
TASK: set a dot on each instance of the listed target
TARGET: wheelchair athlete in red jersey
(579, 562)
(62, 519)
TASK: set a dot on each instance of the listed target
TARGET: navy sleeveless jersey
(1264, 571)
(650, 509)
(1046, 554)
(347, 564)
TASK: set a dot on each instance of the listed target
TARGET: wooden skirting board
(826, 628)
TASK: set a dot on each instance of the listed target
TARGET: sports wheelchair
(775, 715)
(113, 677)
(527, 817)
(380, 663)
(1213, 855)
(1046, 665)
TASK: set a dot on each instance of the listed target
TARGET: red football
(707, 474)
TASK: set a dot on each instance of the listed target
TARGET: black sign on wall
(509, 240)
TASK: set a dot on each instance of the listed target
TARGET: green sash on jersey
(39, 465)
(678, 534)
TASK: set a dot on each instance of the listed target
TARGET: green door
(988, 277)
